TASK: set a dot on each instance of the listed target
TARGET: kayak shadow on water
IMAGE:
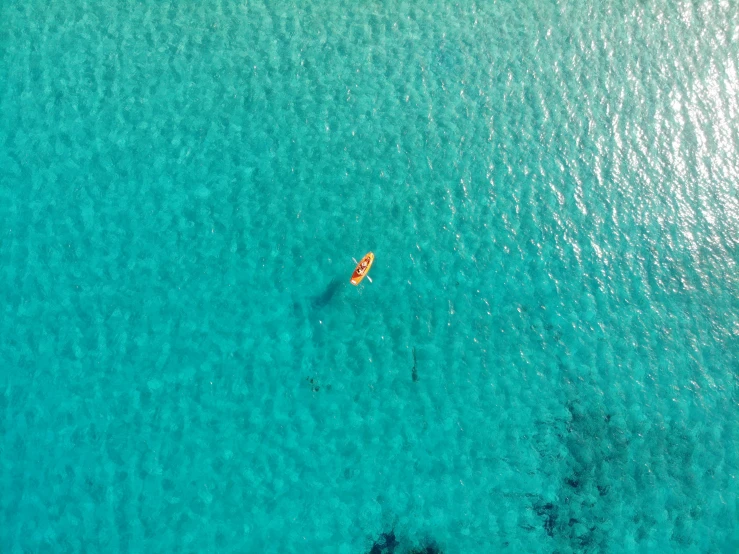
(306, 308)
(323, 299)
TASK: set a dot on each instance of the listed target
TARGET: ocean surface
(546, 360)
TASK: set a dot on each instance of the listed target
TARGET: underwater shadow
(387, 543)
(323, 299)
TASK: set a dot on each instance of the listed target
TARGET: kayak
(362, 268)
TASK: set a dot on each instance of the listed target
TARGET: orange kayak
(362, 268)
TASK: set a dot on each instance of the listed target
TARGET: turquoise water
(545, 361)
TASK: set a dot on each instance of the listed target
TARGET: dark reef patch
(548, 511)
(585, 451)
(313, 382)
(388, 543)
(429, 548)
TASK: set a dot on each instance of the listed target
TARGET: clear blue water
(550, 190)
